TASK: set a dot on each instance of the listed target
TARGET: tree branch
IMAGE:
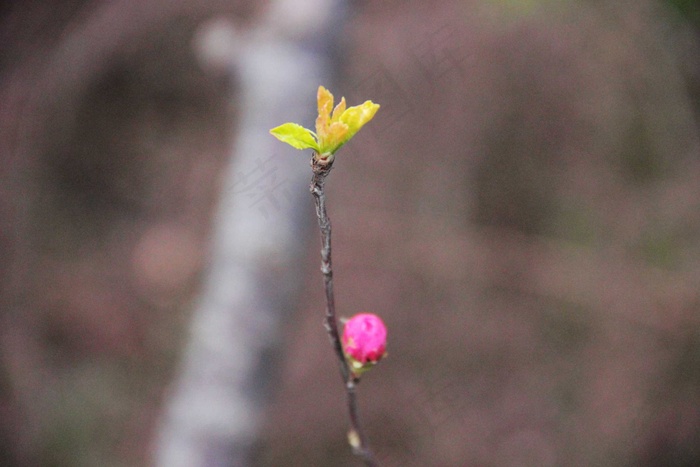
(356, 436)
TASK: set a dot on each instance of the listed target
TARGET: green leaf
(296, 136)
(356, 117)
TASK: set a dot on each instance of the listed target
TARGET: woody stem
(356, 436)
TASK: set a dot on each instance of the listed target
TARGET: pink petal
(364, 337)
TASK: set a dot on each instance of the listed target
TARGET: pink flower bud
(364, 340)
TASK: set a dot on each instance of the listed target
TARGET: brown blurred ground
(113, 138)
(523, 212)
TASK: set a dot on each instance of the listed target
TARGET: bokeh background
(523, 212)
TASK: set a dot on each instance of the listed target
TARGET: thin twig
(356, 436)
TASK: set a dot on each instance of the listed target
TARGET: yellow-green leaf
(356, 117)
(334, 126)
(296, 136)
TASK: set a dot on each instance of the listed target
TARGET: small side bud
(364, 341)
(354, 439)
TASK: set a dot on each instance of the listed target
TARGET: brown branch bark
(356, 436)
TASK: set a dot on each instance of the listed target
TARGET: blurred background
(523, 212)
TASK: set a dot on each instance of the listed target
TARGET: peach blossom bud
(364, 341)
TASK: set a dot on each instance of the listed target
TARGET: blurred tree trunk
(214, 412)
